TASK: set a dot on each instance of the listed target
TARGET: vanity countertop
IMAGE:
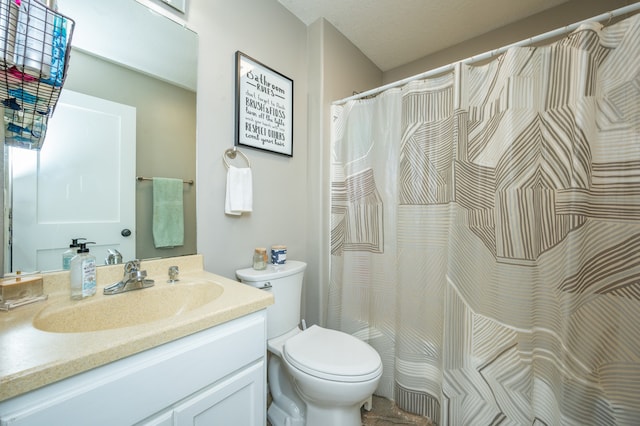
(31, 358)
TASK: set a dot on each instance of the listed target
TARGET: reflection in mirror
(88, 134)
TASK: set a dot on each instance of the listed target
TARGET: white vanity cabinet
(215, 376)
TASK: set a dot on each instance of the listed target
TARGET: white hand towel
(239, 197)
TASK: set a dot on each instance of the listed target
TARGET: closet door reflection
(81, 184)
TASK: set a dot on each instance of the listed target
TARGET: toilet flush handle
(265, 286)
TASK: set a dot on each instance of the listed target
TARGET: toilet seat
(332, 355)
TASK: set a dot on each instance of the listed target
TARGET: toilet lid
(332, 355)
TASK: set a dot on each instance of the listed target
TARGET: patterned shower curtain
(486, 234)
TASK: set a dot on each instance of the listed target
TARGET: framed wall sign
(264, 107)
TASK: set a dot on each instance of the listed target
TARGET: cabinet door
(236, 401)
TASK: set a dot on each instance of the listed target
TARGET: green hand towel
(168, 213)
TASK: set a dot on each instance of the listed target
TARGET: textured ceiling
(395, 32)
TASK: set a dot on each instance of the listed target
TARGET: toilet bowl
(333, 372)
(317, 376)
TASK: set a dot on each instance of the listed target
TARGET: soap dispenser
(83, 273)
(70, 254)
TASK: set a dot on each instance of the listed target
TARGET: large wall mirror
(135, 70)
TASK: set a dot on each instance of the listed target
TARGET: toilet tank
(285, 283)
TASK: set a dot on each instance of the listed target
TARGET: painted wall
(290, 194)
(267, 32)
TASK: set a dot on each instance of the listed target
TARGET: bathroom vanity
(204, 362)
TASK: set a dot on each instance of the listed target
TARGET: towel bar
(231, 153)
(140, 178)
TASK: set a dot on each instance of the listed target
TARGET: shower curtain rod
(487, 55)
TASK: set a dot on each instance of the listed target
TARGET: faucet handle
(132, 266)
(173, 274)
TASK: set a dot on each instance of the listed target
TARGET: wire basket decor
(35, 41)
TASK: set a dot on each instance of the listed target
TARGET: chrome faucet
(134, 279)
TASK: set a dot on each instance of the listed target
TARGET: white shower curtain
(486, 234)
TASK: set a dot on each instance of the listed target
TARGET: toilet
(317, 376)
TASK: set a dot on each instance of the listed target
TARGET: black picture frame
(264, 107)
